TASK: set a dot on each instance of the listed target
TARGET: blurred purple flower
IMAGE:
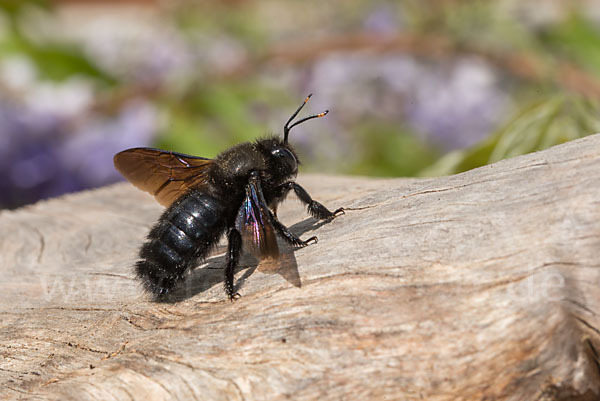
(88, 151)
(42, 155)
(452, 106)
(143, 50)
(382, 20)
(459, 107)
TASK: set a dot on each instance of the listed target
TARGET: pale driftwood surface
(483, 285)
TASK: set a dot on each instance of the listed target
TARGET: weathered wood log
(482, 285)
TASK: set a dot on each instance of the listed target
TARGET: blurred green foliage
(210, 118)
(537, 127)
(575, 39)
(388, 151)
(55, 61)
(548, 115)
(551, 119)
(216, 111)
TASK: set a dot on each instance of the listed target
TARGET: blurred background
(415, 88)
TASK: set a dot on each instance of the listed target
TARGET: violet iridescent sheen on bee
(252, 219)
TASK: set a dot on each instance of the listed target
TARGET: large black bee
(236, 193)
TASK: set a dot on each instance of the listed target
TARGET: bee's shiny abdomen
(185, 232)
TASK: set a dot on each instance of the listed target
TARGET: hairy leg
(289, 236)
(315, 209)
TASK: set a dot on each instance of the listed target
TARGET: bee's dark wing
(166, 175)
(253, 221)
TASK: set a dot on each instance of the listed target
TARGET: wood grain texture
(482, 285)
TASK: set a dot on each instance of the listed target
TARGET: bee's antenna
(287, 127)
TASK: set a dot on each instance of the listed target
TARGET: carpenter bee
(236, 193)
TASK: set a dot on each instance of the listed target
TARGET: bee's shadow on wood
(211, 273)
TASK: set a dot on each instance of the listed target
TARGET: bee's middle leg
(289, 236)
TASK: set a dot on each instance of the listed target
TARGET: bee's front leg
(315, 209)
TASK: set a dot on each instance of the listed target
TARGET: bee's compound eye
(287, 156)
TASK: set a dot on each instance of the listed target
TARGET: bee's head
(286, 159)
(282, 160)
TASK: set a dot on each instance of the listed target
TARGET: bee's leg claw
(312, 239)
